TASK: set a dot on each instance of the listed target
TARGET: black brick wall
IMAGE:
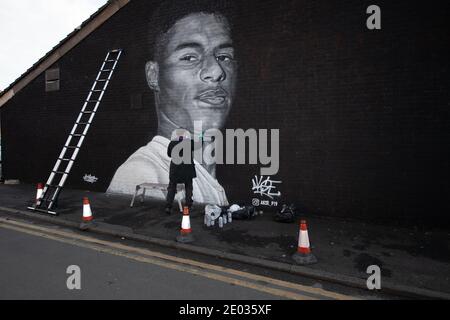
(363, 114)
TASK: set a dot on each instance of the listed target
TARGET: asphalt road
(35, 259)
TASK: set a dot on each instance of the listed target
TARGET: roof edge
(68, 43)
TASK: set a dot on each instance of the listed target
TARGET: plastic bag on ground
(243, 213)
(286, 214)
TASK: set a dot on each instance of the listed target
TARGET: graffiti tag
(90, 178)
(265, 187)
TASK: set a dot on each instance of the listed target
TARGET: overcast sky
(30, 28)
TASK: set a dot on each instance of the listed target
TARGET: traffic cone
(303, 255)
(87, 215)
(40, 190)
(185, 235)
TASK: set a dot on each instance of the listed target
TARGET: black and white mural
(193, 74)
(356, 100)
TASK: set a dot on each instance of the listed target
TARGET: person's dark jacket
(184, 171)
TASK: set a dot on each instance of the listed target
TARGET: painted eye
(224, 58)
(188, 58)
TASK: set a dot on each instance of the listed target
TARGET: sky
(31, 28)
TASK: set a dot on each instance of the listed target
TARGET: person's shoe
(167, 210)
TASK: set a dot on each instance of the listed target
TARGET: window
(52, 80)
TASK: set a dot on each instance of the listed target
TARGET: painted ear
(152, 74)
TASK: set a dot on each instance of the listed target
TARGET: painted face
(197, 72)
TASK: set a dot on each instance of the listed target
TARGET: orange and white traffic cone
(40, 190)
(185, 235)
(303, 255)
(87, 214)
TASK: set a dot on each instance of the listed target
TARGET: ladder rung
(102, 80)
(60, 172)
(115, 50)
(98, 90)
(111, 60)
(77, 134)
(43, 211)
(83, 123)
(88, 112)
(64, 159)
(106, 70)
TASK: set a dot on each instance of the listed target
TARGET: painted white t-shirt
(150, 164)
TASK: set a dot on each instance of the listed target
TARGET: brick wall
(363, 115)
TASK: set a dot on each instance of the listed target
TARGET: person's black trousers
(172, 190)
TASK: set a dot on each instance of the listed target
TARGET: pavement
(414, 260)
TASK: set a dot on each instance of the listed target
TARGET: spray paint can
(208, 221)
(212, 222)
(230, 217)
(225, 219)
(220, 222)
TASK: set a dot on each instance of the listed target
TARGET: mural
(193, 76)
(362, 113)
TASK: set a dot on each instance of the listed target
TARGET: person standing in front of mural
(193, 75)
(180, 172)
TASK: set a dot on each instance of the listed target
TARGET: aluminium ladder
(66, 159)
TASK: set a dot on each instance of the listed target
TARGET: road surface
(35, 261)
